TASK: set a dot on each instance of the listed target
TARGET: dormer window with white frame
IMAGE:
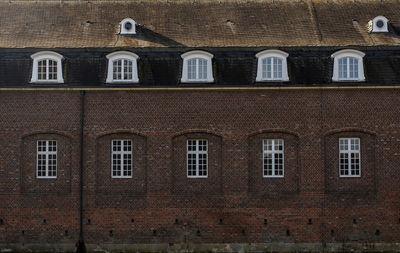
(348, 65)
(379, 25)
(272, 66)
(122, 67)
(47, 67)
(197, 67)
(128, 26)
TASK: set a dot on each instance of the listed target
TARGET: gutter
(231, 88)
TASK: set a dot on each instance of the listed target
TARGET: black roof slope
(232, 67)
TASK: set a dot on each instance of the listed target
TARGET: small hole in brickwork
(176, 221)
(309, 222)
(23, 232)
(1, 222)
(265, 221)
(44, 221)
(354, 221)
(220, 221)
(88, 221)
(111, 233)
(198, 232)
(243, 231)
(132, 220)
(66, 232)
(399, 220)
(154, 232)
(287, 232)
(377, 232)
(332, 233)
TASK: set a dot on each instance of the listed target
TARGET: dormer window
(197, 67)
(128, 26)
(380, 24)
(348, 65)
(122, 67)
(47, 67)
(272, 66)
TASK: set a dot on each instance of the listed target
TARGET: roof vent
(128, 26)
(378, 25)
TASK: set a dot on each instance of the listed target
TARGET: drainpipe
(81, 244)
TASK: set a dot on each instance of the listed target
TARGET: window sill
(197, 81)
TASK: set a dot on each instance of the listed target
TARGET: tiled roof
(260, 23)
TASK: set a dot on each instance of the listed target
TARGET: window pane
(117, 70)
(127, 69)
(343, 68)
(277, 68)
(269, 68)
(197, 158)
(46, 159)
(192, 69)
(273, 153)
(202, 69)
(42, 70)
(52, 70)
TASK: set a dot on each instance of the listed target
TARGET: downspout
(81, 244)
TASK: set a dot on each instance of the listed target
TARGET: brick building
(200, 125)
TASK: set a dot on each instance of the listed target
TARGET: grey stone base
(208, 248)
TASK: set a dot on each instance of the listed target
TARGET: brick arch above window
(56, 184)
(186, 183)
(265, 184)
(115, 184)
(363, 181)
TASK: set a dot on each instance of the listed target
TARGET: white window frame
(273, 152)
(46, 55)
(46, 153)
(197, 54)
(344, 54)
(197, 152)
(382, 29)
(122, 153)
(122, 55)
(123, 30)
(274, 54)
(348, 152)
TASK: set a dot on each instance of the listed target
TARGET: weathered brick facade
(235, 204)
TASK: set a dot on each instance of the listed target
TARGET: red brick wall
(234, 204)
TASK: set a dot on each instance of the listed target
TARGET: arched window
(197, 67)
(128, 26)
(348, 65)
(122, 67)
(272, 66)
(47, 67)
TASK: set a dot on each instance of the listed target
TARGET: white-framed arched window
(47, 67)
(379, 24)
(122, 67)
(128, 26)
(348, 65)
(272, 66)
(197, 67)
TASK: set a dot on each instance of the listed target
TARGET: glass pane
(192, 69)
